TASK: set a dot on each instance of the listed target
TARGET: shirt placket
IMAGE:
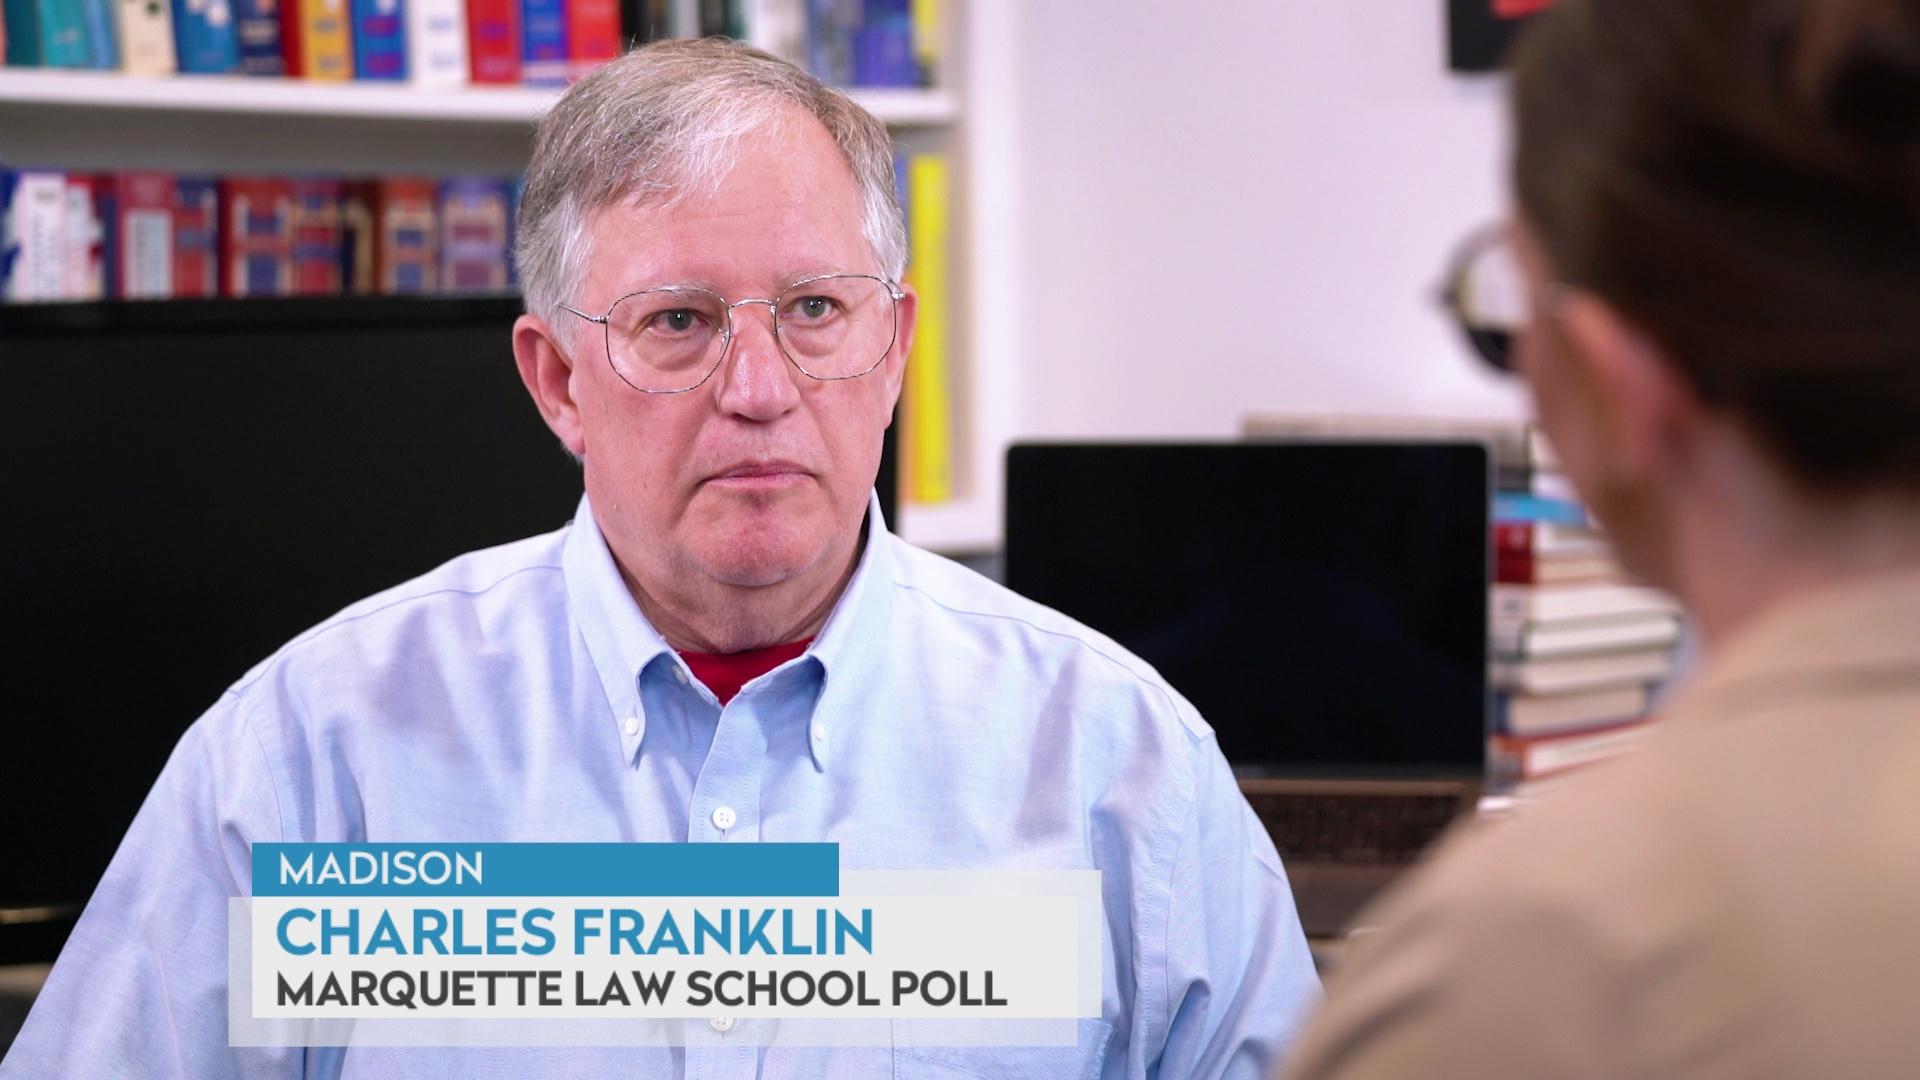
(726, 809)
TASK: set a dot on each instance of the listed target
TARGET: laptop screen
(1323, 605)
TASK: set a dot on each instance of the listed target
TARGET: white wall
(1229, 206)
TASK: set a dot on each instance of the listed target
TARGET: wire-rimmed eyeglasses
(1489, 296)
(672, 338)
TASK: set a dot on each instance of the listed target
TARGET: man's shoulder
(459, 598)
(966, 605)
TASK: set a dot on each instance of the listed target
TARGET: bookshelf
(91, 120)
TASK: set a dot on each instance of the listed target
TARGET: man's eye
(677, 321)
(813, 307)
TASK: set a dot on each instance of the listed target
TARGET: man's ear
(906, 312)
(548, 375)
(1642, 406)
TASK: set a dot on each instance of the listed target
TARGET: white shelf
(230, 95)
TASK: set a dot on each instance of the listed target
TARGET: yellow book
(928, 439)
(926, 36)
(326, 39)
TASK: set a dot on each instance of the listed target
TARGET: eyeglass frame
(605, 320)
(1493, 347)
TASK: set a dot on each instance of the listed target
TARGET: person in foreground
(726, 644)
(1719, 218)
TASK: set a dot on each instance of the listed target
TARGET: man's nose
(757, 381)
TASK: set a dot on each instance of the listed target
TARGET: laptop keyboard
(1353, 829)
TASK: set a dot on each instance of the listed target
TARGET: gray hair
(664, 120)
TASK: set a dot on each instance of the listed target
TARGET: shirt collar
(622, 643)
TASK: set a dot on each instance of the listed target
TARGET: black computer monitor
(188, 484)
(1323, 605)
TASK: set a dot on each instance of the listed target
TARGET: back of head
(1742, 178)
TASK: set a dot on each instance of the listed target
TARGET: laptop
(1322, 604)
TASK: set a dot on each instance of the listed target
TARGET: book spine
(261, 50)
(883, 47)
(204, 37)
(63, 33)
(323, 46)
(103, 39)
(929, 466)
(33, 236)
(406, 237)
(256, 237)
(146, 38)
(473, 236)
(196, 237)
(543, 39)
(84, 241)
(314, 225)
(493, 40)
(144, 236)
(379, 40)
(437, 43)
(22, 23)
(593, 34)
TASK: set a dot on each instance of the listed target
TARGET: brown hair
(1742, 179)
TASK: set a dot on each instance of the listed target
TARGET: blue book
(883, 52)
(258, 29)
(203, 36)
(543, 42)
(1511, 506)
(46, 33)
(103, 37)
(379, 40)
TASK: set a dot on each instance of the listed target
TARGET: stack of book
(1579, 649)
(159, 236)
(451, 43)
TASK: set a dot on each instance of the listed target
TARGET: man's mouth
(760, 474)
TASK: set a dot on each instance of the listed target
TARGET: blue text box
(493, 869)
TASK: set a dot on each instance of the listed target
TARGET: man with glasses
(726, 644)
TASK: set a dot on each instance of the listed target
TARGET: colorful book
(473, 235)
(928, 431)
(85, 241)
(33, 236)
(543, 42)
(1568, 674)
(379, 40)
(437, 43)
(136, 210)
(196, 237)
(1521, 639)
(103, 38)
(1527, 568)
(261, 50)
(204, 38)
(883, 46)
(256, 236)
(46, 33)
(316, 39)
(830, 29)
(1559, 603)
(1515, 758)
(493, 41)
(356, 236)
(315, 228)
(146, 37)
(593, 34)
(406, 237)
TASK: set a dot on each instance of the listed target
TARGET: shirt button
(633, 725)
(721, 1024)
(680, 675)
(724, 817)
(819, 735)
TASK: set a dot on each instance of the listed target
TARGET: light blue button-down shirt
(938, 721)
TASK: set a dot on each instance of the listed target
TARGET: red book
(1531, 757)
(593, 35)
(315, 228)
(493, 40)
(406, 251)
(141, 223)
(196, 237)
(256, 236)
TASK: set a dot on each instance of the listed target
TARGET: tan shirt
(1740, 897)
